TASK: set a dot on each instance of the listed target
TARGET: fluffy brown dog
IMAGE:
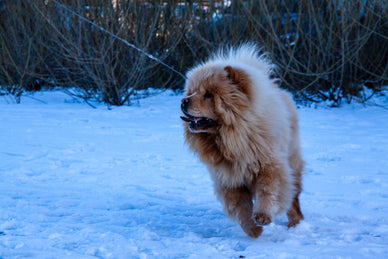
(245, 129)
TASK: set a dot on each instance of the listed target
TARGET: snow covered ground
(77, 182)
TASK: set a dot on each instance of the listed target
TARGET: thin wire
(120, 39)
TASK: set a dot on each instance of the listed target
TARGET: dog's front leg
(238, 204)
(266, 194)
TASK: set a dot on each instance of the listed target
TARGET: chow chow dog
(245, 129)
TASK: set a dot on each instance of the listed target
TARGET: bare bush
(324, 50)
(87, 57)
(22, 61)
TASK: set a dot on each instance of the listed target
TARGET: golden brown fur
(245, 129)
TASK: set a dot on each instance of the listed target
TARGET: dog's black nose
(185, 101)
(185, 104)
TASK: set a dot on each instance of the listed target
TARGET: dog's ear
(240, 78)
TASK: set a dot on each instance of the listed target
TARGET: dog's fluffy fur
(245, 129)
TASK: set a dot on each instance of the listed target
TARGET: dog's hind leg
(238, 204)
(294, 214)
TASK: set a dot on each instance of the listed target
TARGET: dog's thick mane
(232, 150)
(249, 143)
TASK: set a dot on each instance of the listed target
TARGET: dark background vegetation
(324, 50)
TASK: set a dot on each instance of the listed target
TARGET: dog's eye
(208, 95)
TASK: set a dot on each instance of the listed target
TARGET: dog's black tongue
(192, 119)
(187, 119)
(198, 122)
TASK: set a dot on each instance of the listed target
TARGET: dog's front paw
(252, 229)
(262, 218)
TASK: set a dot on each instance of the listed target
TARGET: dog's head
(215, 97)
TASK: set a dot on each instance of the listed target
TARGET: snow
(78, 182)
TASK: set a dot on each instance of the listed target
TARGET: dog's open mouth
(198, 123)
